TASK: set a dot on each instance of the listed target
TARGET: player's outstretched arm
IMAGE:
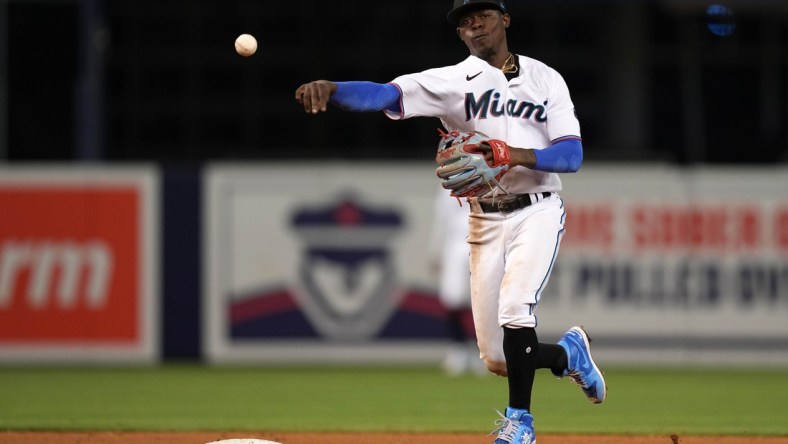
(355, 96)
(314, 96)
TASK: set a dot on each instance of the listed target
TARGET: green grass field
(193, 397)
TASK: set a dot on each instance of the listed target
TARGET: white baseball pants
(511, 257)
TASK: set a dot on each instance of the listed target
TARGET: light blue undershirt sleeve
(564, 156)
(366, 96)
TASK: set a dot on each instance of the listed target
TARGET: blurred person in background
(449, 253)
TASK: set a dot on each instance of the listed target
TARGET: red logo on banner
(781, 229)
(69, 264)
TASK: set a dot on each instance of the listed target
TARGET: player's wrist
(522, 157)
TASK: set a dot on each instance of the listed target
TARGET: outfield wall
(79, 264)
(326, 263)
(275, 263)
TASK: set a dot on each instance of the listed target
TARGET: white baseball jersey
(475, 96)
(511, 254)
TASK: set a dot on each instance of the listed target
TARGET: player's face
(484, 32)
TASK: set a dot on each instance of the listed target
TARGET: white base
(243, 441)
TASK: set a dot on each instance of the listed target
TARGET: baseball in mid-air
(246, 45)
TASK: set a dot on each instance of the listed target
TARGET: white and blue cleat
(581, 367)
(517, 427)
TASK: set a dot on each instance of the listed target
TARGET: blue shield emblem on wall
(346, 274)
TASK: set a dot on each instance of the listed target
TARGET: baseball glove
(462, 166)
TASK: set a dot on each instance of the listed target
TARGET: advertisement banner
(676, 265)
(78, 264)
(328, 263)
(321, 263)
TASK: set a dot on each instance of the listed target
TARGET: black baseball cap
(463, 6)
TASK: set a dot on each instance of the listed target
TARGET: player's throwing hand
(314, 95)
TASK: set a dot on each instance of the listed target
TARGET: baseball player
(515, 228)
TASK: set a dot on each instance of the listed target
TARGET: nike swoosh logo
(469, 78)
(583, 363)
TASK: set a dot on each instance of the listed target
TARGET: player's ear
(506, 19)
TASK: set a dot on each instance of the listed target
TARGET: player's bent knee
(497, 367)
